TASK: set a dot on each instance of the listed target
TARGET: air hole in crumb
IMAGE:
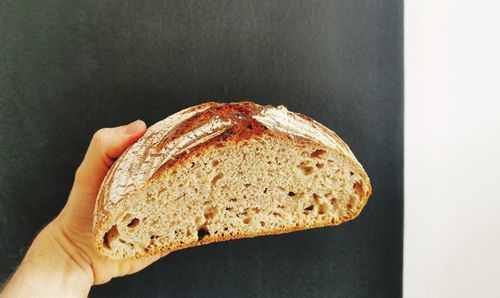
(215, 163)
(319, 165)
(306, 170)
(233, 199)
(262, 224)
(192, 165)
(127, 217)
(318, 153)
(188, 232)
(210, 213)
(309, 208)
(247, 220)
(353, 199)
(323, 208)
(198, 220)
(226, 228)
(229, 208)
(206, 203)
(265, 190)
(315, 197)
(333, 201)
(110, 236)
(133, 223)
(216, 178)
(277, 214)
(122, 241)
(281, 206)
(291, 193)
(352, 173)
(358, 187)
(246, 184)
(202, 232)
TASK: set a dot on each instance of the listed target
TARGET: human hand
(68, 240)
(75, 220)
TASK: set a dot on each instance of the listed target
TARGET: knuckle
(99, 136)
(78, 173)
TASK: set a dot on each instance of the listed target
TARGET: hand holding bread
(212, 172)
(222, 171)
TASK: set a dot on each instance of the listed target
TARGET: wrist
(50, 270)
(54, 252)
(76, 263)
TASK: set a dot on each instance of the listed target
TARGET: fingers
(107, 144)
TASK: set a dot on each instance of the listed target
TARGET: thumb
(107, 144)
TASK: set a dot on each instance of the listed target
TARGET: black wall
(68, 68)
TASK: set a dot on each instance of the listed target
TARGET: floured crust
(172, 141)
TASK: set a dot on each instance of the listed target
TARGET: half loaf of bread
(219, 171)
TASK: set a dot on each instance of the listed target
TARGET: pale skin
(63, 261)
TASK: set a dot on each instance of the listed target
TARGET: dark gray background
(68, 68)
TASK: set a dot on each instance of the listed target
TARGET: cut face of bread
(243, 170)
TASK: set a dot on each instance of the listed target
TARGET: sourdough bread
(217, 172)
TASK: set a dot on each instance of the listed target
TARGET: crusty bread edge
(106, 216)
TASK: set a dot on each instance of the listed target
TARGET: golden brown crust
(102, 213)
(243, 125)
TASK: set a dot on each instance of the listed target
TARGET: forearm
(50, 270)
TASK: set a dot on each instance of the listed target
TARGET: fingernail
(133, 127)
